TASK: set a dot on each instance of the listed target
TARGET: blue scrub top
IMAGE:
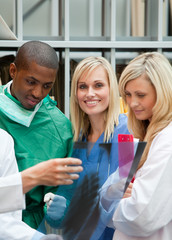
(102, 161)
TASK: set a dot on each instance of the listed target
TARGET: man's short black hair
(39, 52)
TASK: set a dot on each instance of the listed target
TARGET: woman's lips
(137, 111)
(92, 103)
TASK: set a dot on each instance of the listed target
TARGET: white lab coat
(147, 214)
(11, 226)
(11, 193)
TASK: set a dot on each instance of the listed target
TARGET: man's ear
(13, 70)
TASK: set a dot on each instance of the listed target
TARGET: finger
(61, 178)
(68, 176)
(69, 161)
(128, 191)
(74, 176)
(126, 195)
(65, 182)
(67, 169)
(73, 169)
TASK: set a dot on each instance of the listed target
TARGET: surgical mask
(14, 111)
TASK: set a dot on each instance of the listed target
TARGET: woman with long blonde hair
(146, 86)
(96, 119)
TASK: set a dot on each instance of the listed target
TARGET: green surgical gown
(49, 136)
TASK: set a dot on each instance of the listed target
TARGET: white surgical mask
(15, 112)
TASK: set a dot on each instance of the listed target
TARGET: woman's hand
(128, 191)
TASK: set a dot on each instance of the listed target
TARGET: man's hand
(59, 171)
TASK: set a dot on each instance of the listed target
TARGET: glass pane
(36, 18)
(85, 18)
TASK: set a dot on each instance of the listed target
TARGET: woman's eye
(83, 86)
(127, 94)
(98, 85)
(141, 95)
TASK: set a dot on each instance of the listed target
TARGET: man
(39, 129)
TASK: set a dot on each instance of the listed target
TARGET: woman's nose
(90, 92)
(134, 103)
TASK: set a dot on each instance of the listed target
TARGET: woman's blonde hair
(80, 120)
(158, 71)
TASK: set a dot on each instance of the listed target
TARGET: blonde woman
(96, 119)
(146, 86)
